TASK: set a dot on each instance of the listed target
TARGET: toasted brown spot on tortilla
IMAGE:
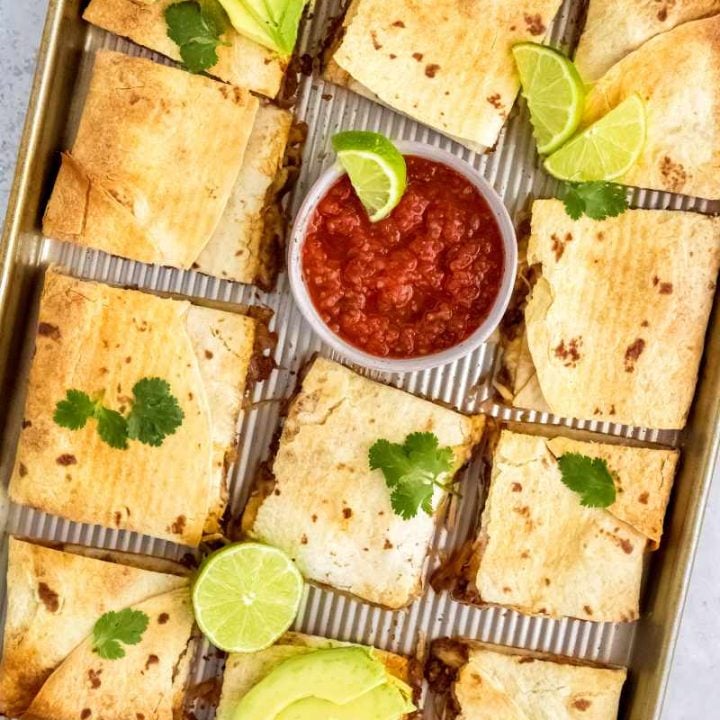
(304, 539)
(525, 660)
(118, 518)
(314, 518)
(399, 24)
(392, 56)
(587, 609)
(50, 599)
(431, 70)
(506, 589)
(535, 24)
(495, 100)
(666, 288)
(48, 330)
(388, 545)
(66, 459)
(376, 43)
(179, 525)
(85, 713)
(22, 470)
(673, 173)
(582, 704)
(94, 677)
(626, 546)
(644, 323)
(152, 660)
(632, 353)
(516, 487)
(570, 352)
(662, 14)
(418, 56)
(163, 618)
(558, 244)
(347, 513)
(643, 498)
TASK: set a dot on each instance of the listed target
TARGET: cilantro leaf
(155, 413)
(75, 410)
(412, 471)
(196, 28)
(113, 628)
(112, 427)
(597, 200)
(589, 477)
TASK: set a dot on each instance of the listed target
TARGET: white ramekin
(424, 362)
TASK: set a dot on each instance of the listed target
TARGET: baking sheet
(66, 61)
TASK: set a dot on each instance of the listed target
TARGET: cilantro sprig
(598, 200)
(196, 28)
(113, 628)
(412, 471)
(589, 477)
(154, 414)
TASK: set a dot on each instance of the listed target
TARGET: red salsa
(417, 282)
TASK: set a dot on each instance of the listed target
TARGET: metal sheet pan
(61, 80)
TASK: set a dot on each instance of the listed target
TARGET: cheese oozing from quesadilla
(240, 60)
(541, 552)
(615, 323)
(490, 682)
(614, 28)
(48, 670)
(98, 339)
(245, 670)
(677, 75)
(175, 169)
(327, 509)
(446, 64)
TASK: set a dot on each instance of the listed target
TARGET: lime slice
(376, 168)
(246, 596)
(554, 92)
(607, 149)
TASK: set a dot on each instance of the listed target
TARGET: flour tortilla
(616, 322)
(93, 337)
(492, 682)
(543, 553)
(237, 248)
(614, 28)
(245, 670)
(677, 75)
(327, 496)
(54, 600)
(148, 681)
(241, 62)
(443, 63)
(158, 151)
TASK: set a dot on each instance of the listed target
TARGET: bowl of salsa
(422, 287)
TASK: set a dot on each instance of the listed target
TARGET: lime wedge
(554, 92)
(376, 168)
(246, 596)
(605, 150)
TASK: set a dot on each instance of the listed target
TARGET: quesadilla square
(154, 162)
(327, 509)
(615, 321)
(540, 551)
(101, 341)
(479, 681)
(614, 28)
(446, 64)
(245, 670)
(681, 153)
(49, 670)
(240, 60)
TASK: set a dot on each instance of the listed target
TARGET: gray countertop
(694, 691)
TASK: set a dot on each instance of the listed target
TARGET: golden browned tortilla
(445, 63)
(100, 339)
(54, 600)
(481, 681)
(240, 60)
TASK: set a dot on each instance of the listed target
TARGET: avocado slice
(271, 23)
(337, 675)
(384, 702)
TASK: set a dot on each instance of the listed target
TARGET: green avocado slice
(384, 702)
(271, 23)
(337, 675)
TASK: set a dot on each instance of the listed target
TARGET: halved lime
(246, 596)
(554, 92)
(605, 150)
(376, 168)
